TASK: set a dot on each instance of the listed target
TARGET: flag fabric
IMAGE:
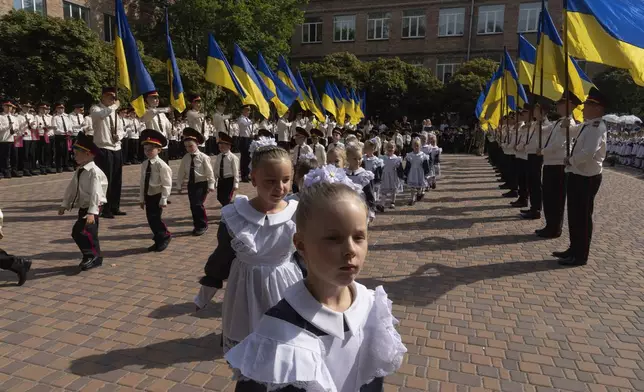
(258, 94)
(328, 100)
(348, 107)
(488, 109)
(514, 89)
(284, 96)
(607, 32)
(356, 105)
(527, 62)
(554, 58)
(285, 74)
(177, 99)
(363, 102)
(339, 103)
(308, 100)
(132, 73)
(219, 71)
(315, 99)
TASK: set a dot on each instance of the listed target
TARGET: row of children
(627, 151)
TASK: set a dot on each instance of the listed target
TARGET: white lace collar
(327, 320)
(243, 207)
(355, 172)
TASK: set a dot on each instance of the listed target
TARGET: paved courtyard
(482, 304)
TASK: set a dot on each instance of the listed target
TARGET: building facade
(438, 34)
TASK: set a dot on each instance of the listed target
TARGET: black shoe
(562, 255)
(52, 171)
(505, 186)
(199, 232)
(127, 163)
(27, 174)
(572, 262)
(511, 194)
(59, 170)
(107, 215)
(548, 234)
(380, 208)
(525, 211)
(152, 248)
(519, 203)
(90, 262)
(169, 202)
(420, 197)
(120, 213)
(21, 266)
(163, 245)
(16, 174)
(531, 215)
(35, 173)
(433, 186)
(69, 169)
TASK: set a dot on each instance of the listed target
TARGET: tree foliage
(623, 95)
(462, 90)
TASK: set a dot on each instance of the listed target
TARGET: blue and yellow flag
(328, 100)
(363, 102)
(554, 58)
(513, 88)
(218, 70)
(304, 93)
(132, 73)
(177, 99)
(527, 62)
(258, 94)
(488, 108)
(608, 32)
(285, 74)
(357, 109)
(315, 98)
(284, 96)
(339, 104)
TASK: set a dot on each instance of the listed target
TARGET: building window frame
(441, 69)
(36, 6)
(375, 21)
(344, 28)
(491, 13)
(526, 24)
(108, 28)
(414, 21)
(454, 18)
(75, 11)
(312, 25)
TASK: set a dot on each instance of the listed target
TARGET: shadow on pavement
(154, 356)
(430, 244)
(443, 224)
(66, 256)
(213, 310)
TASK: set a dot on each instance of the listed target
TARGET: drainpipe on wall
(469, 38)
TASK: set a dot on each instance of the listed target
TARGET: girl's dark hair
(268, 153)
(303, 167)
(320, 194)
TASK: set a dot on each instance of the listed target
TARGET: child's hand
(142, 205)
(61, 210)
(90, 219)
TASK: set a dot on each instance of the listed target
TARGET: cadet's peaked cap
(151, 136)
(109, 91)
(223, 137)
(302, 132)
(86, 144)
(567, 95)
(264, 132)
(596, 97)
(78, 106)
(317, 132)
(193, 134)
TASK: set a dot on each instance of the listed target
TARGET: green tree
(462, 90)
(51, 59)
(623, 95)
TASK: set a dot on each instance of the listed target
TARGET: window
(312, 31)
(344, 28)
(378, 25)
(445, 71)
(529, 14)
(108, 27)
(451, 22)
(30, 5)
(75, 11)
(413, 24)
(491, 19)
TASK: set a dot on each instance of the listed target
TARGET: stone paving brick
(482, 304)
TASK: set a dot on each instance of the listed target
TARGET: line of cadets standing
(538, 169)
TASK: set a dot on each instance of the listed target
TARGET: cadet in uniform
(63, 132)
(8, 127)
(155, 118)
(197, 121)
(535, 161)
(244, 140)
(226, 170)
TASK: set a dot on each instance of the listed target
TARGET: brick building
(438, 34)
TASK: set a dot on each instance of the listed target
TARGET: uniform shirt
(62, 125)
(522, 138)
(137, 127)
(283, 130)
(330, 126)
(203, 169)
(300, 150)
(102, 124)
(320, 154)
(589, 149)
(219, 121)
(554, 144)
(86, 189)
(9, 126)
(197, 120)
(155, 118)
(89, 128)
(297, 123)
(533, 138)
(127, 126)
(160, 180)
(43, 123)
(230, 169)
(28, 126)
(508, 148)
(245, 126)
(78, 122)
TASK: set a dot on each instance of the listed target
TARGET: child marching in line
(435, 153)
(226, 170)
(361, 177)
(427, 149)
(156, 185)
(255, 248)
(337, 156)
(87, 191)
(416, 171)
(392, 174)
(318, 149)
(329, 332)
(336, 135)
(197, 169)
(304, 166)
(373, 164)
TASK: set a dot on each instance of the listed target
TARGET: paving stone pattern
(482, 304)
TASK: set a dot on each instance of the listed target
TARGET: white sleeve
(166, 183)
(97, 191)
(210, 175)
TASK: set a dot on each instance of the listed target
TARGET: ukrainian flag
(348, 105)
(488, 108)
(328, 100)
(608, 32)
(315, 99)
(341, 109)
(177, 99)
(514, 89)
(363, 102)
(301, 86)
(285, 74)
(258, 93)
(356, 105)
(554, 58)
(132, 73)
(527, 62)
(284, 96)
(219, 72)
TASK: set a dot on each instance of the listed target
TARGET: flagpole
(543, 9)
(116, 68)
(566, 79)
